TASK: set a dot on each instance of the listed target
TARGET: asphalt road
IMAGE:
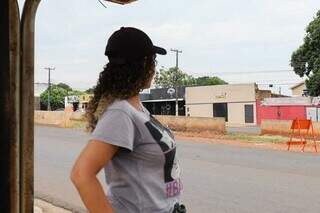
(217, 178)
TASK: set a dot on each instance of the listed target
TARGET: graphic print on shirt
(165, 140)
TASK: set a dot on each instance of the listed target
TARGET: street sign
(121, 1)
(302, 124)
(171, 91)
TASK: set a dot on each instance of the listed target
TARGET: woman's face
(149, 82)
(152, 71)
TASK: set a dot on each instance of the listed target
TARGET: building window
(220, 110)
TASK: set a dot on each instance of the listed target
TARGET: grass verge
(255, 138)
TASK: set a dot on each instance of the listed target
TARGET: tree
(306, 59)
(206, 81)
(90, 90)
(76, 92)
(173, 77)
(64, 86)
(57, 95)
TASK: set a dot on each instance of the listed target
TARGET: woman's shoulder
(123, 107)
(119, 106)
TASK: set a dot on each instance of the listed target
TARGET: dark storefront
(159, 102)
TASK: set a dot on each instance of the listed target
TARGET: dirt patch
(254, 142)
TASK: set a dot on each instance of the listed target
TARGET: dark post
(176, 78)
(49, 86)
(9, 106)
(27, 104)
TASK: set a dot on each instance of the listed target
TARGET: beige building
(299, 89)
(235, 102)
(84, 100)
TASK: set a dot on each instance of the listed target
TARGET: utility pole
(49, 85)
(177, 56)
(176, 80)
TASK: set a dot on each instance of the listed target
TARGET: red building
(287, 108)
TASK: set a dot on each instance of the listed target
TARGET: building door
(220, 110)
(248, 113)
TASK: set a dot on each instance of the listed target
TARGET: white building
(38, 89)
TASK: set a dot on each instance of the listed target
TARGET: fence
(181, 123)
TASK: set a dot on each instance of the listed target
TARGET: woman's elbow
(75, 176)
(78, 176)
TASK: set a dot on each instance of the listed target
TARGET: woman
(136, 151)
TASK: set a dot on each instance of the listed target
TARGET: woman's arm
(91, 160)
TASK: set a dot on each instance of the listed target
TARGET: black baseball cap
(130, 44)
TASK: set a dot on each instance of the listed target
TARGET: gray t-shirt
(144, 175)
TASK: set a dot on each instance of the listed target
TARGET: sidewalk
(41, 206)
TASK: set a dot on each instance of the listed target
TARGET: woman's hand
(84, 175)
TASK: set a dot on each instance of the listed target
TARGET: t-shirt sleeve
(115, 127)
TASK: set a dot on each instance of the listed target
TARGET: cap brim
(159, 50)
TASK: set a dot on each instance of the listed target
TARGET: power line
(102, 4)
(252, 72)
(237, 73)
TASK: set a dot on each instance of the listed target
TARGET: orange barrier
(302, 124)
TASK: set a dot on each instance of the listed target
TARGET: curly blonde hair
(118, 81)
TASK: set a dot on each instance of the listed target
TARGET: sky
(239, 41)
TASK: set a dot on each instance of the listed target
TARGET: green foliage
(313, 84)
(57, 95)
(306, 59)
(176, 77)
(90, 90)
(76, 92)
(171, 77)
(206, 80)
(64, 86)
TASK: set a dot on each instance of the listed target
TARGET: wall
(280, 112)
(200, 110)
(236, 113)
(298, 91)
(200, 100)
(282, 127)
(181, 123)
(262, 94)
(220, 94)
(56, 118)
(193, 124)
